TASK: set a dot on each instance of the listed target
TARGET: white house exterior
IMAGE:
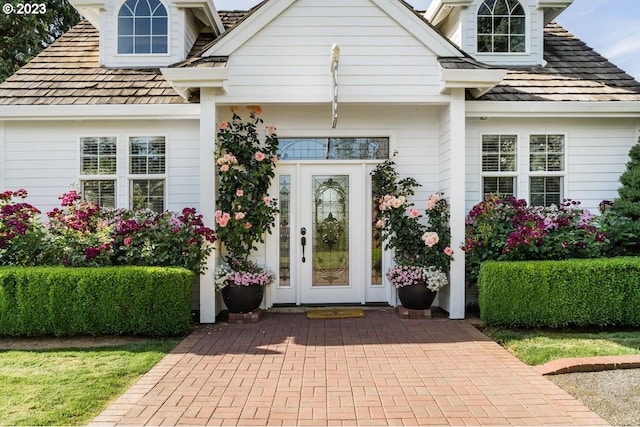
(469, 106)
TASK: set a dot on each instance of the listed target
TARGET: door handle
(303, 242)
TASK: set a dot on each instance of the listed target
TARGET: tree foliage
(23, 36)
(628, 201)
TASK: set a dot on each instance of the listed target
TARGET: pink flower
(224, 168)
(222, 219)
(266, 200)
(448, 251)
(413, 213)
(128, 241)
(255, 109)
(430, 238)
(218, 214)
(248, 225)
(431, 202)
(239, 193)
(260, 156)
(240, 215)
(224, 125)
(381, 223)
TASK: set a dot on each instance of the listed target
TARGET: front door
(322, 234)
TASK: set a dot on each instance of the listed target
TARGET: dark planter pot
(242, 299)
(416, 297)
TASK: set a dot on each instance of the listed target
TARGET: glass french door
(322, 234)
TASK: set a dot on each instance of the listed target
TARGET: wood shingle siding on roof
(574, 72)
(68, 72)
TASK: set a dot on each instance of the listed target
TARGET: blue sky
(611, 27)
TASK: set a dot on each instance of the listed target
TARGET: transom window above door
(142, 28)
(333, 148)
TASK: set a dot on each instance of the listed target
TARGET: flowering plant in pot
(245, 161)
(420, 242)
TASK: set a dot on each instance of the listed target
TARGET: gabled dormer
(148, 33)
(500, 32)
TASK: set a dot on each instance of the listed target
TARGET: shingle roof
(574, 72)
(67, 72)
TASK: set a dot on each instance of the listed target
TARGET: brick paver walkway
(378, 370)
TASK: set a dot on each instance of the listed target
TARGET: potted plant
(420, 243)
(245, 164)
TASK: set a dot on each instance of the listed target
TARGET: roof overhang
(619, 109)
(184, 80)
(205, 11)
(438, 10)
(90, 10)
(477, 81)
(553, 8)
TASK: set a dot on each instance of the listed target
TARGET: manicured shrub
(590, 292)
(154, 301)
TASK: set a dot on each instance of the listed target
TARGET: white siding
(43, 157)
(289, 60)
(597, 152)
(192, 29)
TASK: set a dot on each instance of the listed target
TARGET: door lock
(303, 241)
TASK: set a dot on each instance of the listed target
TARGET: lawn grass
(539, 347)
(71, 386)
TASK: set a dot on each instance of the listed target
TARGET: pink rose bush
(420, 241)
(82, 234)
(245, 159)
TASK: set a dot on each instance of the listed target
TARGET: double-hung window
(98, 170)
(147, 172)
(499, 164)
(546, 169)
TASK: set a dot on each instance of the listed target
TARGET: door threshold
(293, 308)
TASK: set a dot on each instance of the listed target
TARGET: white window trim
(130, 177)
(561, 174)
(98, 177)
(510, 174)
(116, 38)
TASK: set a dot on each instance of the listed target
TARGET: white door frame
(360, 235)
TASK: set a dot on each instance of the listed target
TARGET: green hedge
(586, 292)
(61, 301)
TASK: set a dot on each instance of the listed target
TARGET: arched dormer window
(142, 28)
(501, 26)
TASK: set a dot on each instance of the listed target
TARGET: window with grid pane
(147, 167)
(546, 153)
(546, 164)
(98, 164)
(501, 26)
(545, 190)
(142, 27)
(499, 164)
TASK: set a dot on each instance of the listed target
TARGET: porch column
(208, 198)
(457, 293)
